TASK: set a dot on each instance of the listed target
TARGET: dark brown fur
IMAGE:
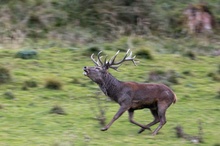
(132, 96)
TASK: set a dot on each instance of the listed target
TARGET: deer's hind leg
(155, 121)
(162, 117)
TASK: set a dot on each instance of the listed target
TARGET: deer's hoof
(142, 129)
(148, 128)
(104, 129)
(154, 133)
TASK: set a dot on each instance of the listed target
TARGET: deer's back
(146, 95)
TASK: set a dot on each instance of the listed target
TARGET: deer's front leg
(121, 110)
(131, 114)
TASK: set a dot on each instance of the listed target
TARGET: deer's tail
(175, 99)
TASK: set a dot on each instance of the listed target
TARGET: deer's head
(98, 72)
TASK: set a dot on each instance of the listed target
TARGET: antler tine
(96, 63)
(106, 61)
(131, 58)
(99, 58)
(115, 65)
(112, 60)
(126, 58)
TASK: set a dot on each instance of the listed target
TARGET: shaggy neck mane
(109, 85)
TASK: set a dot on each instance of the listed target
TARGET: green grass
(26, 120)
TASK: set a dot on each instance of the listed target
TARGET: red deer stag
(131, 96)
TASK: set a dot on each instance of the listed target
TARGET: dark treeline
(106, 18)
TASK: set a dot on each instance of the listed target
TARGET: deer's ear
(105, 68)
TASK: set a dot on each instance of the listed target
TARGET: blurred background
(76, 22)
(44, 44)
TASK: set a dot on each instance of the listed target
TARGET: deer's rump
(148, 95)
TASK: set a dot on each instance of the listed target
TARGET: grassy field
(26, 119)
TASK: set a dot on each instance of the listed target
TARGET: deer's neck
(110, 86)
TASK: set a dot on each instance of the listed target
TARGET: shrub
(187, 72)
(29, 84)
(75, 81)
(172, 77)
(57, 110)
(99, 110)
(26, 54)
(9, 95)
(168, 78)
(193, 138)
(144, 53)
(52, 83)
(91, 50)
(4, 75)
(156, 76)
(190, 54)
(215, 75)
(211, 74)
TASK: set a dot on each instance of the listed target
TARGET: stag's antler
(115, 65)
(111, 63)
(99, 61)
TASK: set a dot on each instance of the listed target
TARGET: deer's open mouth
(85, 71)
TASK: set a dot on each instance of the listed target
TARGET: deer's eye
(98, 68)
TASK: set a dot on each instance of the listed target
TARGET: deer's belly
(140, 105)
